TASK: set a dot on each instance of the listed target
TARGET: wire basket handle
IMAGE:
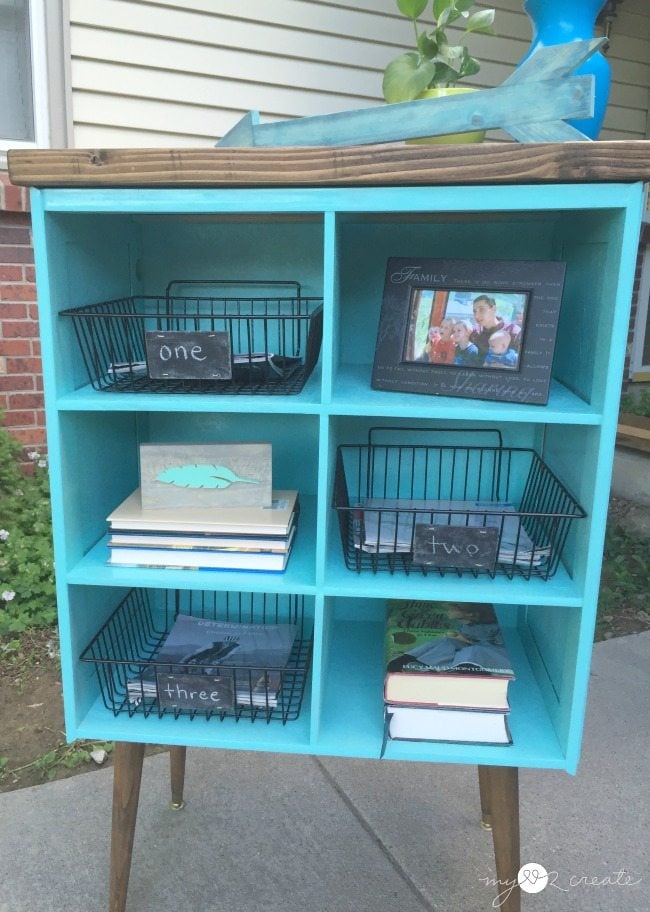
(234, 283)
(374, 432)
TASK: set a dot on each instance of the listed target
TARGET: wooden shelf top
(326, 166)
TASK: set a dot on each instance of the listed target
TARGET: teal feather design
(202, 476)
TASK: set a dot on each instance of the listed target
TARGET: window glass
(16, 101)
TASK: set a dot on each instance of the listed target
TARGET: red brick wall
(21, 383)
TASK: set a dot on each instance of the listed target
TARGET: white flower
(4, 535)
(42, 463)
(8, 595)
(33, 454)
(52, 650)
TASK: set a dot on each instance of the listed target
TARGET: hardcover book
(408, 723)
(447, 654)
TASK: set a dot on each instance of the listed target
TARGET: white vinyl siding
(629, 58)
(182, 72)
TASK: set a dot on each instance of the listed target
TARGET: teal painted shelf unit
(95, 244)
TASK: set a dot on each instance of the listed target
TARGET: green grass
(624, 579)
(62, 756)
(636, 403)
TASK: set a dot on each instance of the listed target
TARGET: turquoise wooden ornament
(532, 104)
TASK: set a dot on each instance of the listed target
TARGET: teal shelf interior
(299, 575)
(293, 737)
(353, 395)
(85, 398)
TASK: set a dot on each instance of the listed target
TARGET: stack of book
(233, 538)
(215, 666)
(447, 673)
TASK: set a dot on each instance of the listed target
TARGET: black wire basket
(470, 510)
(138, 674)
(272, 339)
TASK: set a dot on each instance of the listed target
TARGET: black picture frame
(513, 307)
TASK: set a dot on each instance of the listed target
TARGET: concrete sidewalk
(269, 833)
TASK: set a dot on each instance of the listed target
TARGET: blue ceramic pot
(560, 21)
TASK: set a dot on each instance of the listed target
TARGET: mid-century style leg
(177, 769)
(127, 774)
(499, 787)
(484, 790)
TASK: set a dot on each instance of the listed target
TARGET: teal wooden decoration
(532, 104)
(202, 476)
(186, 476)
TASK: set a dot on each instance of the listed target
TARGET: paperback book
(213, 665)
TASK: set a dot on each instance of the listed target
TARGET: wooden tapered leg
(484, 790)
(127, 775)
(177, 769)
(499, 786)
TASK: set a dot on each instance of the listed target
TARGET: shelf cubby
(352, 705)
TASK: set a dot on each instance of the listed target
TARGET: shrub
(27, 592)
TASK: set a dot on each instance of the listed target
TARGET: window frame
(48, 43)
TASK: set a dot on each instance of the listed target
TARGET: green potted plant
(436, 63)
(435, 67)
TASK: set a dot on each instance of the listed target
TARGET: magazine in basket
(213, 665)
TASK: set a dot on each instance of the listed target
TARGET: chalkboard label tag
(173, 355)
(204, 693)
(460, 547)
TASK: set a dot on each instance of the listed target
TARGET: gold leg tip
(486, 825)
(177, 805)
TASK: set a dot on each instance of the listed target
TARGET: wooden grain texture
(633, 432)
(177, 756)
(127, 775)
(499, 787)
(376, 165)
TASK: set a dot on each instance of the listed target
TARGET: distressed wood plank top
(376, 165)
